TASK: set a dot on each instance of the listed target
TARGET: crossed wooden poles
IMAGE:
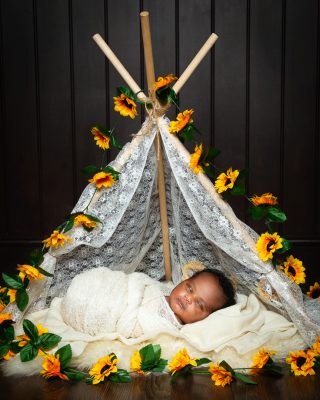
(148, 55)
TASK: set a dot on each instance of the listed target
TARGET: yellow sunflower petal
(56, 240)
(180, 360)
(219, 375)
(226, 180)
(267, 244)
(181, 122)
(103, 179)
(294, 269)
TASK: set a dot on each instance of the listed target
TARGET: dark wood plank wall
(256, 97)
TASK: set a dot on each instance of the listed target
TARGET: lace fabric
(202, 227)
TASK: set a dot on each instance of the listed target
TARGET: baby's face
(195, 298)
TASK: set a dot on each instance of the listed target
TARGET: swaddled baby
(103, 301)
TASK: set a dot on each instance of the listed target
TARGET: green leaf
(69, 225)
(36, 257)
(238, 190)
(202, 361)
(257, 212)
(73, 374)
(44, 272)
(286, 246)
(126, 91)
(172, 97)
(22, 299)
(4, 348)
(208, 171)
(161, 364)
(244, 379)
(8, 334)
(30, 330)
(89, 380)
(90, 170)
(187, 132)
(226, 366)
(65, 355)
(28, 352)
(122, 376)
(112, 171)
(48, 340)
(13, 281)
(274, 214)
(148, 357)
(114, 142)
(14, 346)
(211, 154)
(92, 218)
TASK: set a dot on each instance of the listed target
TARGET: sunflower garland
(37, 340)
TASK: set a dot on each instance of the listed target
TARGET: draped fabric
(202, 227)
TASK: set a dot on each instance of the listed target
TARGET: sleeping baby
(101, 301)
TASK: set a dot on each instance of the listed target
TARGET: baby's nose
(189, 298)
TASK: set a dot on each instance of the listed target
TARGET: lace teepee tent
(189, 221)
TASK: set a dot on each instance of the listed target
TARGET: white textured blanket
(106, 311)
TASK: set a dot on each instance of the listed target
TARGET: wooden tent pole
(118, 66)
(195, 62)
(148, 56)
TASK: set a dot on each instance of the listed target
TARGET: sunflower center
(105, 368)
(129, 105)
(227, 182)
(315, 293)
(270, 244)
(301, 361)
(291, 270)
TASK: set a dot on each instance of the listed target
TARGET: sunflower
(302, 362)
(103, 368)
(220, 376)
(164, 81)
(261, 358)
(314, 291)
(266, 198)
(183, 119)
(125, 106)
(2, 306)
(181, 360)
(85, 221)
(5, 317)
(103, 179)
(226, 181)
(194, 159)
(30, 272)
(135, 362)
(51, 367)
(294, 269)
(9, 355)
(103, 141)
(267, 244)
(12, 295)
(56, 240)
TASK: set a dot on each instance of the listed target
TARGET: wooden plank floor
(159, 387)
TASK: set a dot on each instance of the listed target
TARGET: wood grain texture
(159, 387)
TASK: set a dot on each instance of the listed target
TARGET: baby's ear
(190, 268)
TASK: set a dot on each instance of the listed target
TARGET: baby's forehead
(205, 278)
